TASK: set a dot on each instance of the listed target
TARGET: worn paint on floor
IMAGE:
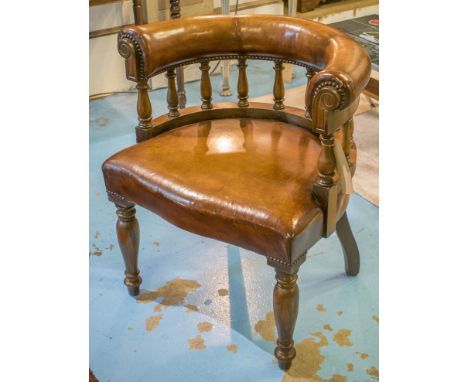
(266, 327)
(153, 322)
(341, 337)
(197, 343)
(321, 308)
(183, 275)
(173, 293)
(232, 348)
(204, 326)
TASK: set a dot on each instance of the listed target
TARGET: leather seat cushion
(247, 182)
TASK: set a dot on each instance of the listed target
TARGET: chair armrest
(332, 94)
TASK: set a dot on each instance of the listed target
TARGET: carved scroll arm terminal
(130, 47)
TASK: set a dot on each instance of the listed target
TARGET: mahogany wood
(175, 9)
(222, 110)
(92, 377)
(101, 2)
(144, 108)
(286, 307)
(232, 110)
(138, 12)
(175, 14)
(308, 5)
(172, 97)
(242, 83)
(347, 137)
(205, 85)
(338, 69)
(278, 87)
(128, 234)
(325, 188)
(349, 246)
(309, 74)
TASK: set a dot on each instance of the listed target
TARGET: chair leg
(348, 243)
(128, 233)
(286, 306)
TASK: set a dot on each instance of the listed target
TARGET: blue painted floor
(190, 282)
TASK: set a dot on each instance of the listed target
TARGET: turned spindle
(310, 73)
(175, 14)
(128, 234)
(172, 98)
(242, 84)
(144, 109)
(205, 85)
(278, 88)
(138, 12)
(174, 9)
(285, 306)
(326, 163)
(325, 189)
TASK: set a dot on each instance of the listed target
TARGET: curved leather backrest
(179, 40)
(164, 44)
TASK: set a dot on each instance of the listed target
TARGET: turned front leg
(286, 306)
(128, 234)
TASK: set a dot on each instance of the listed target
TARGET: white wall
(107, 67)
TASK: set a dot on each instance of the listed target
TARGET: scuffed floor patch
(372, 371)
(173, 293)
(197, 343)
(204, 326)
(232, 348)
(266, 327)
(153, 322)
(96, 252)
(321, 308)
(341, 337)
(191, 308)
(309, 361)
(157, 308)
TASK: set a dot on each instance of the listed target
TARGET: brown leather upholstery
(269, 179)
(243, 181)
(333, 54)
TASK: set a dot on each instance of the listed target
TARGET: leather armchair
(265, 177)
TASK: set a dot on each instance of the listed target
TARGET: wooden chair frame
(337, 69)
